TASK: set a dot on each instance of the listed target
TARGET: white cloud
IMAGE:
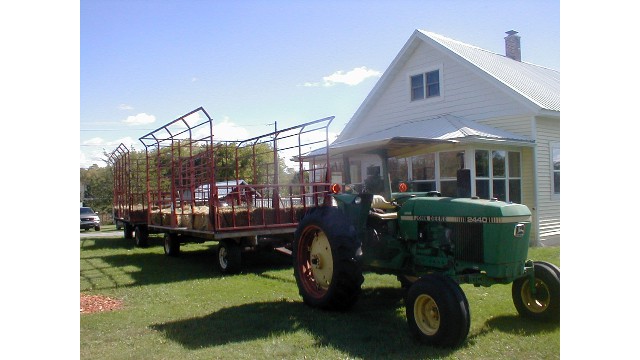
(140, 119)
(351, 78)
(227, 130)
(92, 150)
(125, 107)
(93, 141)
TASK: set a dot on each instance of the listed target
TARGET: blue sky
(251, 63)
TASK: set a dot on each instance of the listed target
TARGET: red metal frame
(129, 191)
(196, 183)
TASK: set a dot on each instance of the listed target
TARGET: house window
(425, 85)
(355, 171)
(555, 166)
(436, 171)
(498, 175)
(515, 182)
(423, 172)
(450, 163)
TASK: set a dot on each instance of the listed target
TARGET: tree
(98, 182)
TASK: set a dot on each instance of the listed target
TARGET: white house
(443, 105)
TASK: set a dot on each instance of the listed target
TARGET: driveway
(93, 233)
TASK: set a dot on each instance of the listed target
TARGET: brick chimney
(512, 45)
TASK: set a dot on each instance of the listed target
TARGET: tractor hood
(444, 209)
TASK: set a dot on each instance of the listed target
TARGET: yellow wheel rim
(427, 315)
(539, 302)
(321, 260)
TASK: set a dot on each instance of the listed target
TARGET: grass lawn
(183, 308)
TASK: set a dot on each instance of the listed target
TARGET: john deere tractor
(432, 244)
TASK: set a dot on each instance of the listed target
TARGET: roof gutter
(549, 113)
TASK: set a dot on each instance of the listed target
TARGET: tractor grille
(468, 242)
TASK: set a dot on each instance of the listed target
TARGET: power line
(113, 129)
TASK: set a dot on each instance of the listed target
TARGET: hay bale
(201, 222)
(156, 218)
(227, 216)
(185, 221)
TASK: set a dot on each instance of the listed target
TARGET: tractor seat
(380, 203)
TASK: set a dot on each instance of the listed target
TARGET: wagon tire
(141, 236)
(438, 312)
(171, 245)
(128, 231)
(326, 260)
(229, 257)
(545, 304)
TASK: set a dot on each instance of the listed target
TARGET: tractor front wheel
(326, 261)
(544, 302)
(438, 311)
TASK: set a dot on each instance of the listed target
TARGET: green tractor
(432, 244)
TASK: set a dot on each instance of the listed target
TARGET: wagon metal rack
(129, 190)
(200, 188)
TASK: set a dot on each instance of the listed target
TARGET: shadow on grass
(139, 267)
(374, 328)
(115, 242)
(106, 243)
(518, 325)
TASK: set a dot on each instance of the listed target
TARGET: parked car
(89, 219)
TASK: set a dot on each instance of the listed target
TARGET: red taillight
(403, 187)
(335, 188)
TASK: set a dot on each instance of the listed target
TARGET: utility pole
(276, 176)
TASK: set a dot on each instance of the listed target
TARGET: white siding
(528, 189)
(463, 93)
(548, 132)
(519, 125)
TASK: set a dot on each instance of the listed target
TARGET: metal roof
(538, 84)
(432, 130)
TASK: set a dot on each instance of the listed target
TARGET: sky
(251, 64)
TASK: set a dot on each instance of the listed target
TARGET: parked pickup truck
(89, 219)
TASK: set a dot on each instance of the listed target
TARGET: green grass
(183, 308)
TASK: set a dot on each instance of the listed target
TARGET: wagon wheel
(326, 261)
(171, 244)
(128, 231)
(229, 256)
(142, 236)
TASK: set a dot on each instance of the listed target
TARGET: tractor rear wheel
(545, 303)
(438, 311)
(326, 260)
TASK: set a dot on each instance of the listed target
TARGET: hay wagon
(245, 195)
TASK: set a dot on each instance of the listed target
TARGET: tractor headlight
(357, 200)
